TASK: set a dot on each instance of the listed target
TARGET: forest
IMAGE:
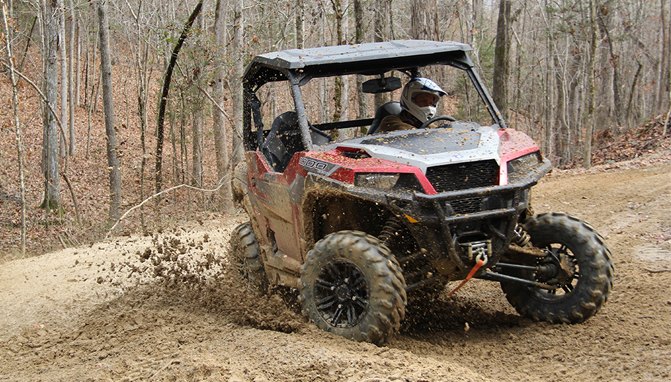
(125, 115)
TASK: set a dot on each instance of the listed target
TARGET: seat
(283, 140)
(389, 108)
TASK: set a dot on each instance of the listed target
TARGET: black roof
(367, 58)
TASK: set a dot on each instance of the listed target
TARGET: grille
(481, 203)
(466, 205)
(463, 175)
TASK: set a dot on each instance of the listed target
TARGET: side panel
(277, 217)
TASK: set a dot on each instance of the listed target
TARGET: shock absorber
(521, 237)
(392, 229)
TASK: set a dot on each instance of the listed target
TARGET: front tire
(353, 286)
(584, 271)
(245, 258)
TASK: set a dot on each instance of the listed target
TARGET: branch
(215, 103)
(230, 120)
(668, 116)
(662, 270)
(183, 185)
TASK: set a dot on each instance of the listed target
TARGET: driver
(419, 99)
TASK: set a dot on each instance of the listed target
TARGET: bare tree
(424, 19)
(502, 57)
(340, 91)
(236, 80)
(108, 105)
(383, 21)
(300, 24)
(359, 33)
(51, 29)
(218, 120)
(603, 21)
(17, 125)
(142, 71)
(664, 48)
(166, 91)
(594, 32)
(71, 80)
(78, 68)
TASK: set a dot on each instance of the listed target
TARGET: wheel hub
(341, 292)
(567, 269)
(558, 268)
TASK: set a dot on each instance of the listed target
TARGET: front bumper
(447, 224)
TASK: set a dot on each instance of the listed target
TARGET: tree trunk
(197, 149)
(548, 135)
(93, 80)
(423, 15)
(632, 91)
(17, 127)
(502, 57)
(359, 34)
(591, 93)
(141, 67)
(563, 144)
(78, 67)
(164, 96)
(617, 109)
(236, 83)
(52, 187)
(29, 40)
(71, 80)
(108, 107)
(340, 92)
(344, 33)
(662, 80)
(382, 33)
(474, 29)
(183, 149)
(62, 44)
(300, 24)
(323, 89)
(218, 120)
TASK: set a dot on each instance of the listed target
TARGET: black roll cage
(280, 66)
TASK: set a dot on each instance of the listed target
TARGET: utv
(363, 224)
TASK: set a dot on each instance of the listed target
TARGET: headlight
(519, 167)
(376, 180)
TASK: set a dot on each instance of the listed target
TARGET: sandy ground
(162, 307)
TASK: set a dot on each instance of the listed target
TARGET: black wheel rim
(567, 275)
(341, 294)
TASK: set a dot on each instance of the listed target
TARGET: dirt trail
(160, 308)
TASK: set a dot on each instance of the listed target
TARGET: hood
(462, 142)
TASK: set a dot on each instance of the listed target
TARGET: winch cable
(480, 260)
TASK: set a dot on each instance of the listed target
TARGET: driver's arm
(393, 123)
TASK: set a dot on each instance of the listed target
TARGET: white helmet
(414, 87)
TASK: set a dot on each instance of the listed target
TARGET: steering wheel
(437, 118)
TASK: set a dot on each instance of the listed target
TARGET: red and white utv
(363, 224)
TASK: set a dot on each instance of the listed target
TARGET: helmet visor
(424, 99)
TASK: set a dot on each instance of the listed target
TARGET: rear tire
(584, 277)
(245, 258)
(353, 286)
